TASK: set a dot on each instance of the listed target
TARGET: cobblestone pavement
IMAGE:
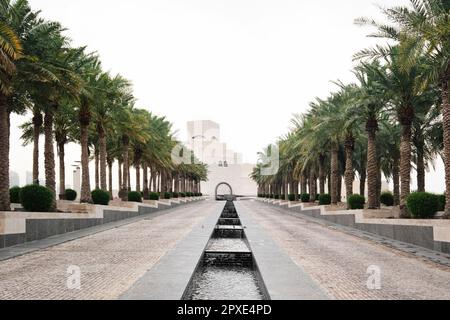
(339, 262)
(110, 261)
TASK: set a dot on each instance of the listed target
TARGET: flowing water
(227, 270)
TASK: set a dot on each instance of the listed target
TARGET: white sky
(247, 64)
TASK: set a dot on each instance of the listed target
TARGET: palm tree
(423, 29)
(90, 69)
(10, 51)
(371, 102)
(65, 132)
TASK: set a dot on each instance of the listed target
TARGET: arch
(217, 188)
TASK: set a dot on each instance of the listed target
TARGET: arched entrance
(224, 191)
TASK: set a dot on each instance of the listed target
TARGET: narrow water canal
(227, 270)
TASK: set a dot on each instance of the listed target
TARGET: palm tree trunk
(321, 174)
(138, 177)
(405, 168)
(5, 204)
(334, 175)
(110, 178)
(49, 156)
(119, 173)
(129, 179)
(396, 181)
(420, 170)
(312, 186)
(379, 185)
(349, 174)
(329, 184)
(37, 124)
(372, 168)
(102, 146)
(145, 180)
(339, 186)
(303, 183)
(158, 182)
(124, 191)
(446, 127)
(62, 171)
(96, 161)
(85, 196)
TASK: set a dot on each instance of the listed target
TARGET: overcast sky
(247, 64)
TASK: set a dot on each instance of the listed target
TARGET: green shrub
(277, 197)
(182, 194)
(175, 195)
(70, 194)
(304, 197)
(167, 195)
(422, 205)
(188, 194)
(324, 199)
(356, 201)
(14, 194)
(317, 197)
(134, 196)
(283, 197)
(154, 196)
(292, 197)
(441, 201)
(36, 198)
(272, 196)
(100, 197)
(387, 198)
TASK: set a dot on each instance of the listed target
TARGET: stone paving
(109, 261)
(339, 262)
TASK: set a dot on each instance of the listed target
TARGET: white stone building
(224, 164)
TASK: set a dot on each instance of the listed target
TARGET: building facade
(224, 164)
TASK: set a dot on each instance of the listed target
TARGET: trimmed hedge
(134, 196)
(167, 195)
(175, 195)
(387, 198)
(356, 201)
(324, 199)
(154, 196)
(305, 197)
(14, 194)
(277, 197)
(100, 197)
(182, 195)
(422, 205)
(36, 198)
(292, 197)
(70, 194)
(441, 201)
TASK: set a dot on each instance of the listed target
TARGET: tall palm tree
(372, 100)
(10, 51)
(423, 28)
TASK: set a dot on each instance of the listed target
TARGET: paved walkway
(109, 261)
(338, 262)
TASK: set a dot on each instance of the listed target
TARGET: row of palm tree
(395, 117)
(72, 99)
